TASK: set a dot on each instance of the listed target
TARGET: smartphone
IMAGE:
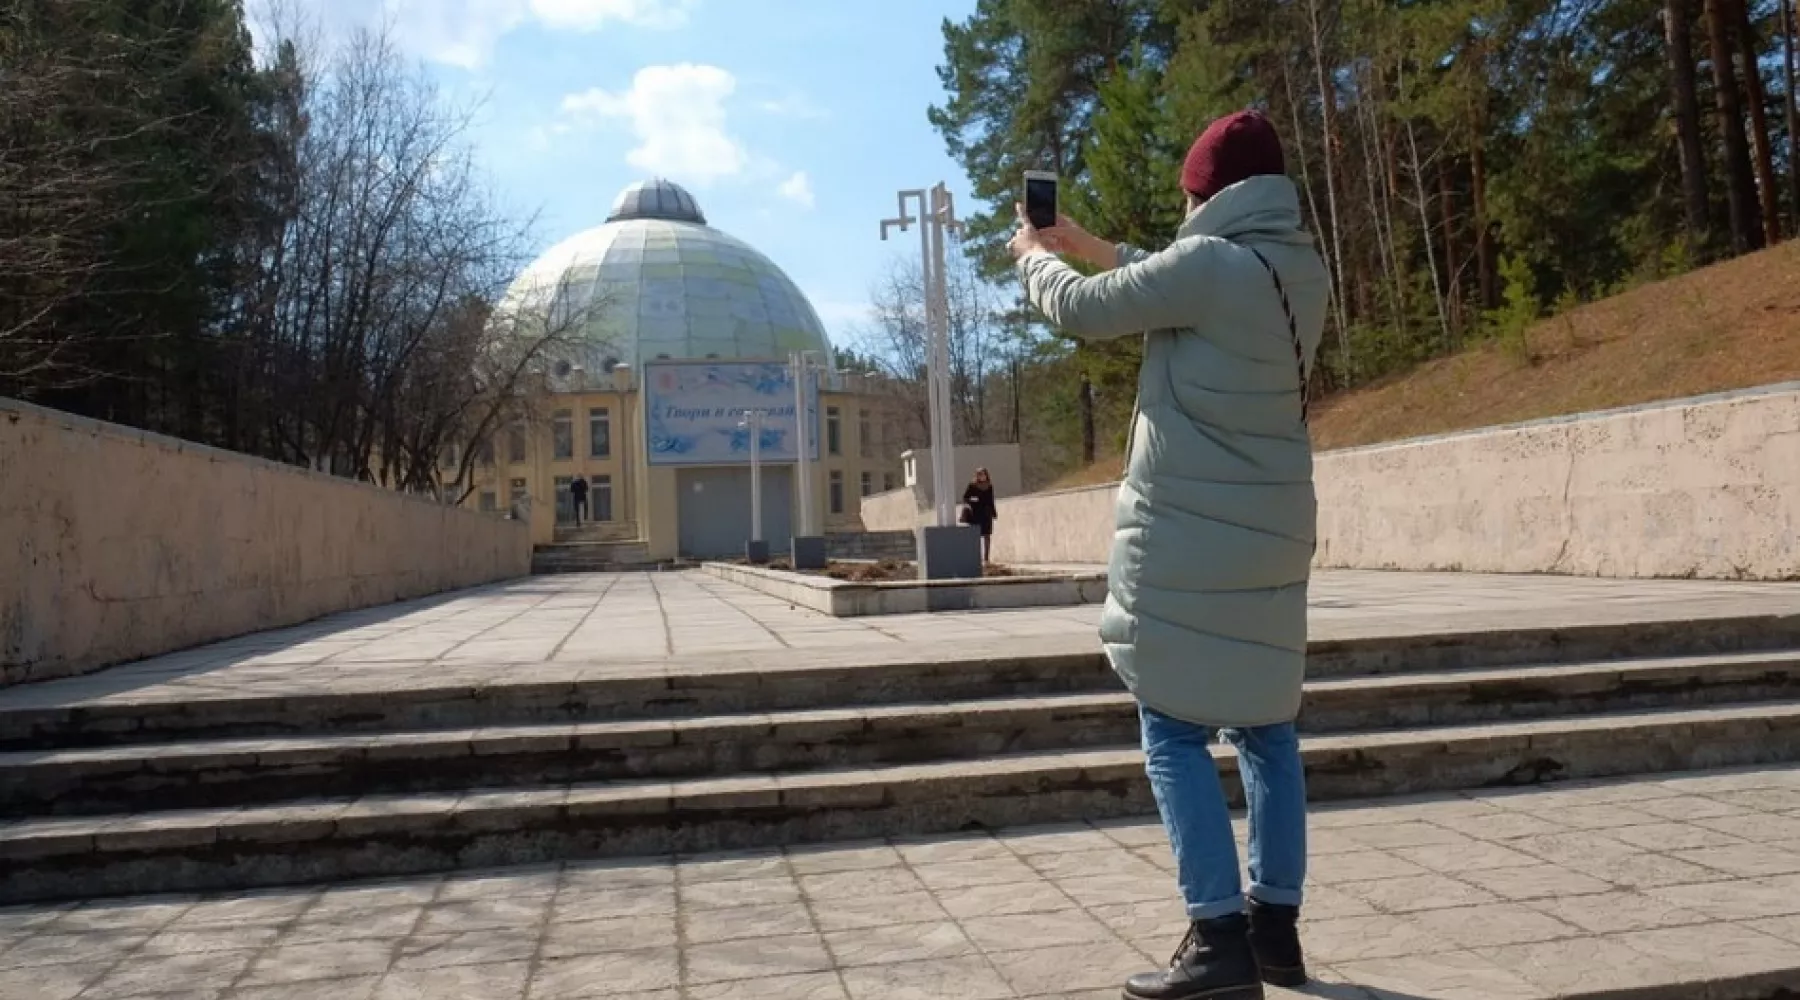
(1040, 198)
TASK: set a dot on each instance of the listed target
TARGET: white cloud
(678, 115)
(590, 15)
(464, 32)
(792, 106)
(797, 189)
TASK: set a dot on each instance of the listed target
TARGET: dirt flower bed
(872, 572)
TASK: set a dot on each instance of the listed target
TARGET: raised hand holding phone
(1040, 199)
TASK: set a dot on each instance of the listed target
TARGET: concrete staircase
(592, 548)
(133, 796)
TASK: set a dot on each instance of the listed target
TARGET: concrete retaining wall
(116, 544)
(1706, 487)
(896, 510)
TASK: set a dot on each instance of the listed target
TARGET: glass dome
(656, 283)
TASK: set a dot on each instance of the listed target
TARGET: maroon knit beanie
(1235, 148)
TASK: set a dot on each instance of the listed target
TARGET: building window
(887, 482)
(448, 459)
(515, 444)
(865, 436)
(600, 498)
(489, 502)
(487, 452)
(834, 431)
(599, 433)
(562, 436)
(837, 492)
(519, 493)
(868, 483)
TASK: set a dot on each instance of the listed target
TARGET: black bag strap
(1293, 332)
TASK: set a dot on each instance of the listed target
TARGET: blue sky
(794, 122)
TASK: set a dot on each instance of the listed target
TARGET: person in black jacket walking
(981, 511)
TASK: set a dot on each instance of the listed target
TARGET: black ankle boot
(1214, 962)
(1275, 940)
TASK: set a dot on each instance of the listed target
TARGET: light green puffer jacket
(1205, 617)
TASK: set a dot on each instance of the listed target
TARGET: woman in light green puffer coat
(1205, 618)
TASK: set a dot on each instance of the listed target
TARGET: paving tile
(496, 981)
(1535, 882)
(354, 988)
(706, 926)
(145, 974)
(1671, 837)
(724, 867)
(627, 901)
(1449, 859)
(1689, 808)
(50, 982)
(1419, 892)
(1363, 866)
(1353, 939)
(1076, 864)
(1037, 930)
(480, 914)
(757, 958)
(1070, 967)
(843, 858)
(605, 975)
(1737, 899)
(1101, 890)
(1786, 928)
(349, 925)
(1711, 952)
(964, 874)
(947, 850)
(1611, 912)
(898, 943)
(1743, 859)
(1390, 835)
(740, 892)
(1493, 925)
(811, 986)
(1580, 965)
(856, 912)
(329, 960)
(1154, 925)
(1502, 827)
(63, 949)
(482, 947)
(1457, 975)
(591, 876)
(862, 882)
(968, 978)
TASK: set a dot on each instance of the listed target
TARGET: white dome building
(655, 282)
(675, 329)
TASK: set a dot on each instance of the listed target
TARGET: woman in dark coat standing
(982, 511)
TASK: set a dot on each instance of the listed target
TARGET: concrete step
(794, 681)
(223, 848)
(590, 557)
(239, 771)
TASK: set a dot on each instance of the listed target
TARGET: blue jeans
(1185, 782)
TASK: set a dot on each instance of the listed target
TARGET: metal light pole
(809, 549)
(937, 216)
(758, 550)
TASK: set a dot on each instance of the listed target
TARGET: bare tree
(896, 340)
(379, 351)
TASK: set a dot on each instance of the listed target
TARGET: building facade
(677, 330)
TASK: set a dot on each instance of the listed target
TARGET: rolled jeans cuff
(1275, 896)
(1216, 909)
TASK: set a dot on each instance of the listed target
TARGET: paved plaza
(577, 627)
(1665, 884)
(1680, 886)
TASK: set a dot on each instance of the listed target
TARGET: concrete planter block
(809, 552)
(952, 553)
(757, 553)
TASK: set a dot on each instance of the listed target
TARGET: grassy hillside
(1730, 326)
